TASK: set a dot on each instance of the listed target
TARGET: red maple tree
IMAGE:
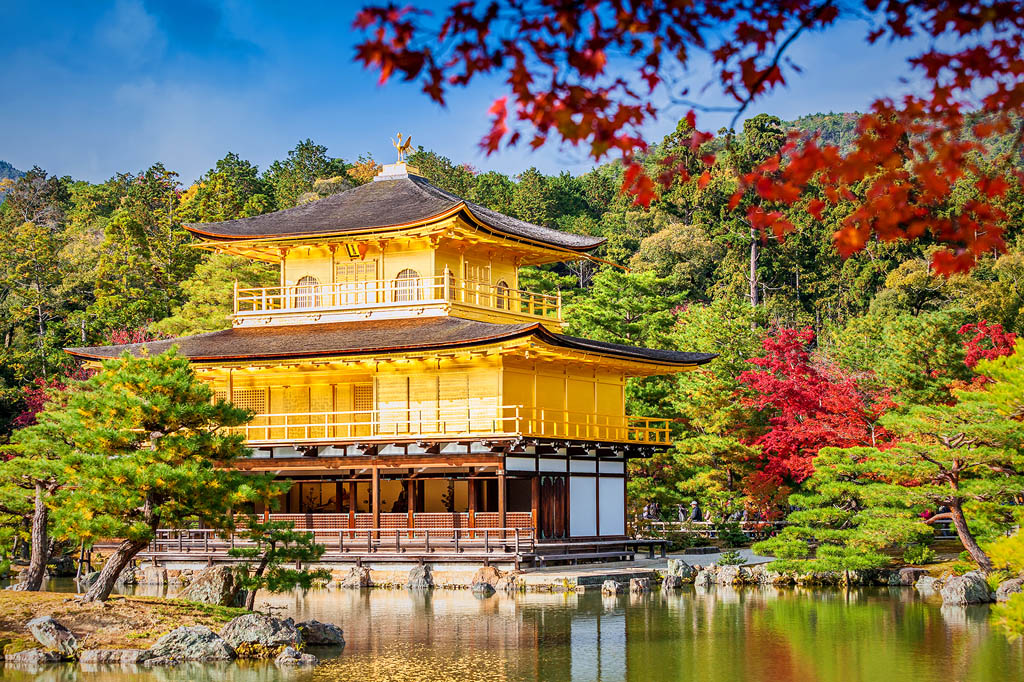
(986, 342)
(811, 405)
(908, 156)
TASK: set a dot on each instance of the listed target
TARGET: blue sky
(90, 89)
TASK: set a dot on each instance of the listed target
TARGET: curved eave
(663, 361)
(460, 208)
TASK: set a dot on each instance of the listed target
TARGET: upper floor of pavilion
(397, 247)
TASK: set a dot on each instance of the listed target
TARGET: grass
(119, 623)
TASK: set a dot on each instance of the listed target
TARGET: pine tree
(275, 544)
(142, 445)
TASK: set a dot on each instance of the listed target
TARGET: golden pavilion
(402, 379)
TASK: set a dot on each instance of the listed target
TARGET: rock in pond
(487, 574)
(1009, 587)
(260, 634)
(315, 633)
(32, 657)
(671, 582)
(610, 588)
(482, 589)
(704, 578)
(214, 585)
(420, 578)
(508, 583)
(639, 585)
(969, 588)
(732, 575)
(292, 656)
(54, 636)
(191, 643)
(88, 579)
(357, 577)
(152, 575)
(114, 656)
(926, 584)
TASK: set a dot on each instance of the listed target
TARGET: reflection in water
(753, 634)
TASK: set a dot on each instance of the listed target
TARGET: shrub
(730, 535)
(731, 558)
(918, 554)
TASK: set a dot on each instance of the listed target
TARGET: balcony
(400, 297)
(387, 424)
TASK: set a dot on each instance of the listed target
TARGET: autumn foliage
(900, 175)
(811, 405)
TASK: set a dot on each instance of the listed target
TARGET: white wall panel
(613, 502)
(582, 506)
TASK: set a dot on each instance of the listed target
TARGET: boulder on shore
(487, 574)
(907, 576)
(54, 636)
(32, 657)
(88, 579)
(969, 588)
(1009, 587)
(292, 656)
(611, 588)
(315, 633)
(681, 569)
(420, 578)
(214, 585)
(191, 643)
(114, 656)
(256, 630)
(357, 577)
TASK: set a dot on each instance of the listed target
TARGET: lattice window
(254, 399)
(362, 398)
(407, 286)
(357, 282)
(501, 295)
(306, 295)
(478, 273)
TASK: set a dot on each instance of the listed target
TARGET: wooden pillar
(501, 497)
(231, 385)
(352, 501)
(375, 497)
(410, 497)
(535, 502)
(472, 504)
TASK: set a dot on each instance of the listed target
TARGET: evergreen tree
(231, 189)
(274, 546)
(141, 445)
(295, 175)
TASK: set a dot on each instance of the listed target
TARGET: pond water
(752, 634)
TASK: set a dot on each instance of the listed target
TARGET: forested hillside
(814, 349)
(7, 172)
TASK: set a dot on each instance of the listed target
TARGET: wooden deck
(512, 545)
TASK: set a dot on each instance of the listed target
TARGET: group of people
(694, 514)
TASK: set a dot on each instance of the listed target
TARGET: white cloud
(131, 31)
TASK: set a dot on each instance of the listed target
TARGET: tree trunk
(967, 538)
(103, 586)
(754, 300)
(33, 579)
(250, 595)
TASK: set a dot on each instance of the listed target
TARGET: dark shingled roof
(377, 336)
(388, 203)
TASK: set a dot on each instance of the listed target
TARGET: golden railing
(453, 422)
(439, 289)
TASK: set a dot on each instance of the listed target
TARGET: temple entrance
(553, 495)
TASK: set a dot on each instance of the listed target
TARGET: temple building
(401, 377)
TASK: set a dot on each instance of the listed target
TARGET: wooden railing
(343, 541)
(451, 422)
(439, 289)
